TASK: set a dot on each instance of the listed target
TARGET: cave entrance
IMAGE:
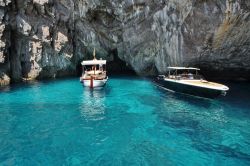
(115, 66)
(79, 69)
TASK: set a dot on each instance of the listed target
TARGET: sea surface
(129, 122)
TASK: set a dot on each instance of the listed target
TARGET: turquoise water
(129, 122)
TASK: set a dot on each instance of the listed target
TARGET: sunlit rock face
(225, 52)
(4, 37)
(48, 38)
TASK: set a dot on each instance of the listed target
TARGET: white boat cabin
(94, 72)
(94, 68)
(184, 73)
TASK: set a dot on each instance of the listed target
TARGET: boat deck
(204, 83)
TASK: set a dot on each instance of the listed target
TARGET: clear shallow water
(129, 122)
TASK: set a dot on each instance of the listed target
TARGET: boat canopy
(183, 68)
(94, 62)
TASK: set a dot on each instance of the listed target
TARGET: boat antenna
(94, 53)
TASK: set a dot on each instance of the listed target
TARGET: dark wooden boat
(189, 81)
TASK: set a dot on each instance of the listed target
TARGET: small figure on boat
(94, 73)
(188, 80)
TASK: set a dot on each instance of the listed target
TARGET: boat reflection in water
(93, 104)
(188, 80)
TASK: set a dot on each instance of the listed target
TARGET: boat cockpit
(184, 73)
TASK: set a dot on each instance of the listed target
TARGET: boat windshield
(185, 74)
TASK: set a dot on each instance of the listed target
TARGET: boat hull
(95, 83)
(189, 89)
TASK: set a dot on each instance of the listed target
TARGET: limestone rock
(4, 2)
(23, 25)
(4, 79)
(40, 2)
(44, 33)
(43, 39)
(60, 41)
(3, 38)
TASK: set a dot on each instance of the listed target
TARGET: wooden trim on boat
(200, 83)
(93, 79)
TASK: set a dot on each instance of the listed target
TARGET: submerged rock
(45, 38)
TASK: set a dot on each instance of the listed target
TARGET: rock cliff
(48, 38)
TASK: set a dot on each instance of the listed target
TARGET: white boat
(94, 73)
(188, 80)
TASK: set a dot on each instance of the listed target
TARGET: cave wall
(48, 38)
(4, 44)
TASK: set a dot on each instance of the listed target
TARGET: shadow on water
(192, 100)
(207, 121)
(33, 83)
(221, 149)
(18, 86)
(238, 95)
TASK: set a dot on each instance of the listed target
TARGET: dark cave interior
(116, 66)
